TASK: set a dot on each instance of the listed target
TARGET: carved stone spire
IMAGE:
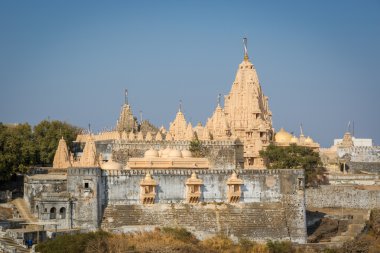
(62, 156)
(89, 157)
(247, 112)
(127, 121)
(178, 127)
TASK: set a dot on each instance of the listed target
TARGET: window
(53, 213)
(62, 213)
(86, 185)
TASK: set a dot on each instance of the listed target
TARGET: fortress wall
(88, 194)
(272, 204)
(356, 167)
(259, 185)
(342, 197)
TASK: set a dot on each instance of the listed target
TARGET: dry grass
(165, 240)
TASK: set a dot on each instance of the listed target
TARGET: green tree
(295, 157)
(47, 135)
(197, 149)
(17, 149)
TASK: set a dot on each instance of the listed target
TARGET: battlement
(90, 171)
(183, 172)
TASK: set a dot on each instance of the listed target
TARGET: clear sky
(318, 61)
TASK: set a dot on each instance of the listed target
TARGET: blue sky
(318, 61)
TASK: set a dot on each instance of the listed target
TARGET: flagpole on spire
(245, 40)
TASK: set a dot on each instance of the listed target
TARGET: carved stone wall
(271, 206)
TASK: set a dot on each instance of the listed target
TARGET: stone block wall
(357, 167)
(271, 206)
(87, 192)
(333, 196)
(35, 185)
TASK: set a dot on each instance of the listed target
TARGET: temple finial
(301, 129)
(126, 97)
(348, 126)
(245, 49)
(219, 96)
(180, 105)
(141, 117)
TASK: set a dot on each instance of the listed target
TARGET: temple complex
(245, 122)
(208, 178)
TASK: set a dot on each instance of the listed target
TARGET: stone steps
(7, 244)
(24, 212)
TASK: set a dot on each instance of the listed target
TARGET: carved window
(148, 190)
(86, 185)
(234, 188)
(193, 189)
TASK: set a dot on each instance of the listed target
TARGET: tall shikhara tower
(247, 114)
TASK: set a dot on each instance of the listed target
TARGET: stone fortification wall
(361, 154)
(271, 207)
(333, 196)
(357, 167)
(221, 154)
(88, 195)
(246, 220)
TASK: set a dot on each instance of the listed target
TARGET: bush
(74, 243)
(280, 247)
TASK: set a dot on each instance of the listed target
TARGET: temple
(208, 178)
(243, 125)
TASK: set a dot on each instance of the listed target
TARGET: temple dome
(309, 140)
(112, 165)
(186, 154)
(165, 153)
(283, 136)
(175, 153)
(294, 139)
(151, 153)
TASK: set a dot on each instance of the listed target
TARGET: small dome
(309, 140)
(186, 154)
(282, 136)
(151, 153)
(175, 153)
(294, 139)
(111, 165)
(165, 153)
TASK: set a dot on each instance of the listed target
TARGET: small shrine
(193, 189)
(148, 190)
(234, 188)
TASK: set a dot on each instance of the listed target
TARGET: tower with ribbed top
(247, 112)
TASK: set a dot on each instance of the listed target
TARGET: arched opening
(53, 213)
(37, 211)
(62, 213)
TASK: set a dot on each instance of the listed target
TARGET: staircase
(24, 212)
(7, 244)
